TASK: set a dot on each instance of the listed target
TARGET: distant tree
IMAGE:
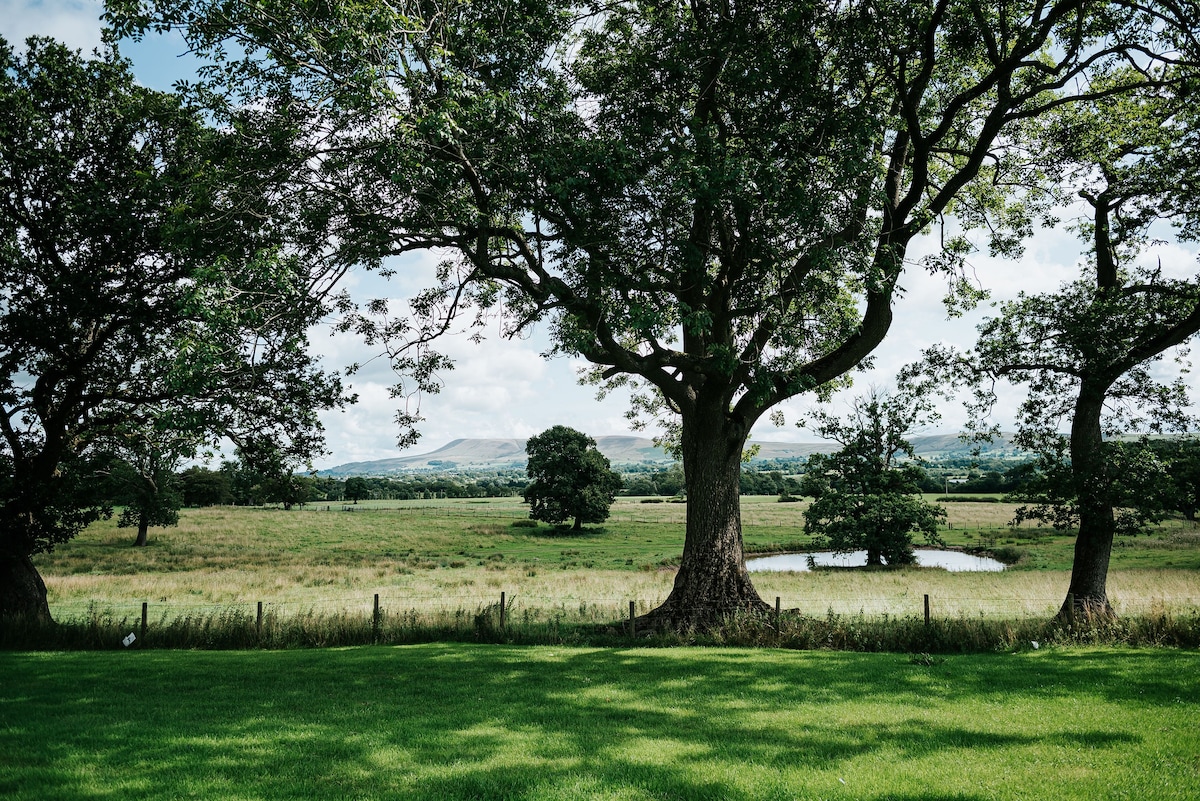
(245, 482)
(150, 493)
(201, 486)
(357, 489)
(570, 478)
(866, 496)
(288, 490)
(641, 485)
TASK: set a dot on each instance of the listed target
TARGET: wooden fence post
(145, 615)
(926, 609)
(258, 621)
(632, 614)
(375, 620)
(776, 611)
(502, 609)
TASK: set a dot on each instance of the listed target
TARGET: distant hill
(622, 451)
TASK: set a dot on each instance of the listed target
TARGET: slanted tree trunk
(1088, 593)
(712, 581)
(143, 532)
(578, 524)
(22, 591)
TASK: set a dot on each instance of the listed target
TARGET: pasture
(460, 555)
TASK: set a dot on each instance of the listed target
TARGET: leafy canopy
(139, 307)
(570, 478)
(867, 495)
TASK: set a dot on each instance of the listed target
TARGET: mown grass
(453, 721)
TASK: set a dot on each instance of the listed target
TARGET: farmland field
(461, 554)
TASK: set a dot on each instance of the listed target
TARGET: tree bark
(1088, 592)
(22, 591)
(143, 532)
(712, 582)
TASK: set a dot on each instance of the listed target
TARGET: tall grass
(434, 566)
(585, 624)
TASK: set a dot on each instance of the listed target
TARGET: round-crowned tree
(866, 496)
(570, 478)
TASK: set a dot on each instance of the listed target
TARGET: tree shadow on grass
(459, 722)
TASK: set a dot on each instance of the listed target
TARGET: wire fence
(598, 609)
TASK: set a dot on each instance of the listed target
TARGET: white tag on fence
(128, 641)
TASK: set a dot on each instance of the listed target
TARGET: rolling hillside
(499, 454)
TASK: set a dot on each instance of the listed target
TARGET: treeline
(237, 485)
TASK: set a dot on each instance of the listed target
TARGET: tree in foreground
(570, 478)
(1087, 353)
(134, 303)
(711, 202)
(867, 495)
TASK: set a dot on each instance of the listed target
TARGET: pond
(954, 561)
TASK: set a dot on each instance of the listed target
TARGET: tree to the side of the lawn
(203, 486)
(570, 478)
(866, 496)
(1088, 355)
(150, 492)
(1181, 456)
(712, 202)
(357, 489)
(138, 299)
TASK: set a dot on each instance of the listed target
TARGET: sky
(504, 388)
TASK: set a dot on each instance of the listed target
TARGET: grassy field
(452, 721)
(441, 556)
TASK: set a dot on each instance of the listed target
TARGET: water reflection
(954, 561)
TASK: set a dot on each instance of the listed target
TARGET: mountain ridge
(622, 450)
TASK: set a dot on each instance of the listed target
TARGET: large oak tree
(1088, 353)
(713, 200)
(136, 303)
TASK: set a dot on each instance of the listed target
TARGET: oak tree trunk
(1088, 593)
(143, 532)
(22, 591)
(712, 582)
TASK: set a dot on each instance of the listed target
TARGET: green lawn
(450, 721)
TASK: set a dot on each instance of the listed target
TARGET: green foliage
(140, 313)
(150, 495)
(570, 478)
(201, 486)
(1138, 487)
(865, 496)
(357, 489)
(711, 203)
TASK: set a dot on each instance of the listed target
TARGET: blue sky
(506, 388)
